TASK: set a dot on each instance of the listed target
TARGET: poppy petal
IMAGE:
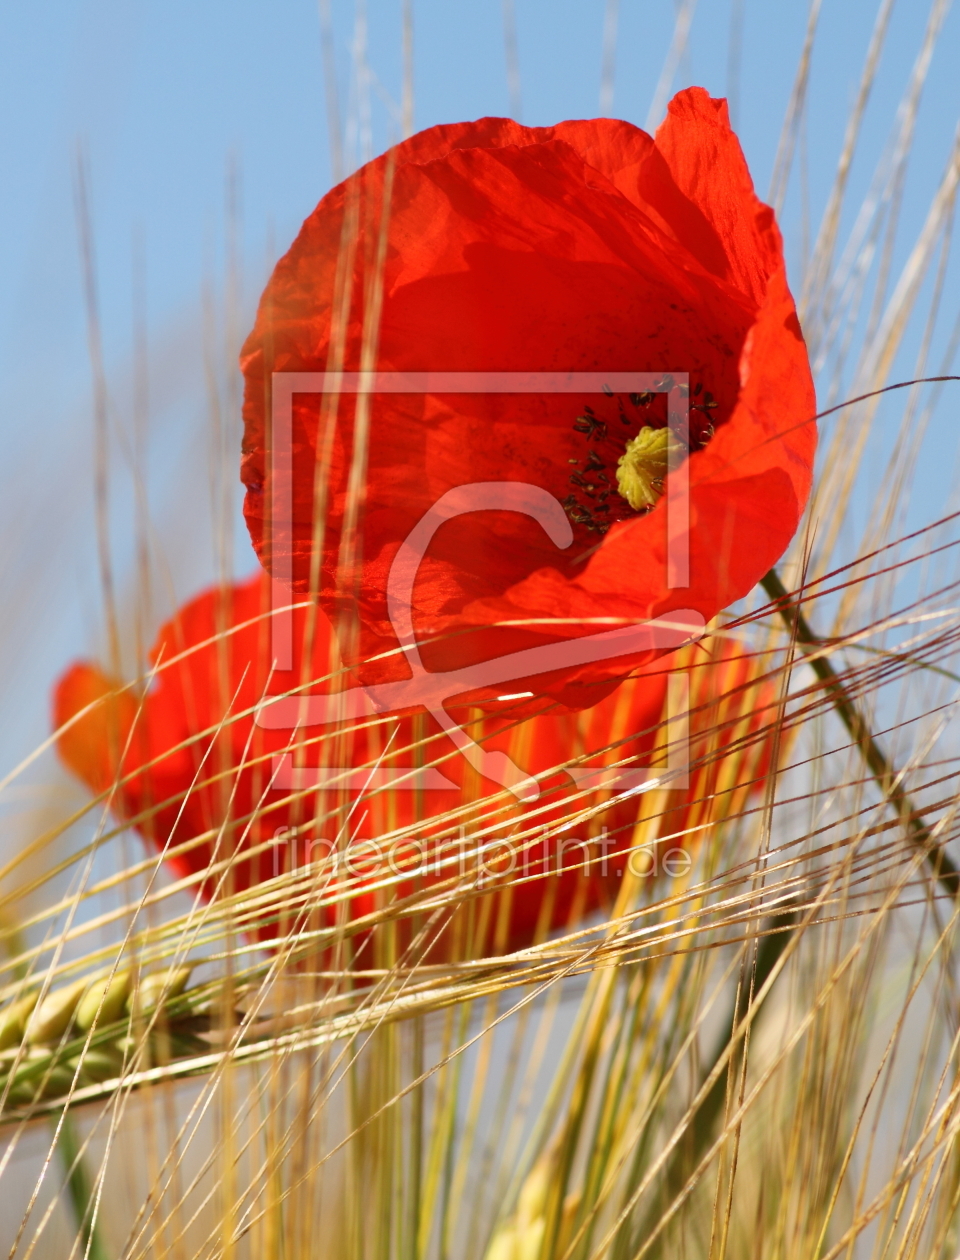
(586, 247)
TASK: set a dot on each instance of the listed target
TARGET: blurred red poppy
(491, 247)
(237, 797)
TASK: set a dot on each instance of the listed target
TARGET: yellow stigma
(643, 465)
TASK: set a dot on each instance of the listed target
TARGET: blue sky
(174, 104)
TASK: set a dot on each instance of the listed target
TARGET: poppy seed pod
(477, 503)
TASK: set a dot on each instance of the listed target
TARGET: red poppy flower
(487, 247)
(235, 797)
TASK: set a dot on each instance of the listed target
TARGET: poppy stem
(81, 1191)
(888, 780)
(768, 948)
(69, 1147)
